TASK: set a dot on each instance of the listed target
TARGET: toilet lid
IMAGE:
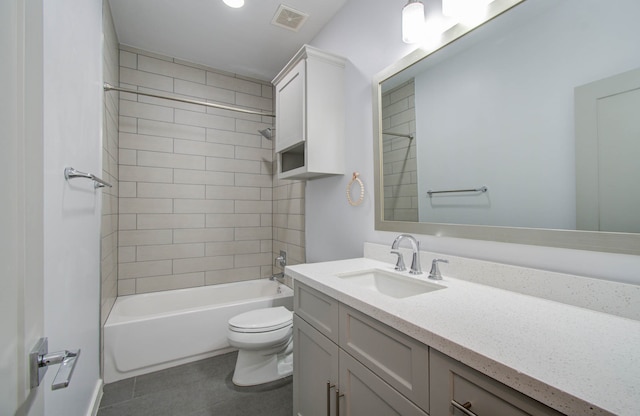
(262, 320)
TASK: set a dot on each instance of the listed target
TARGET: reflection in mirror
(499, 108)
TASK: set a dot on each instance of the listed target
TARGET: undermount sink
(387, 283)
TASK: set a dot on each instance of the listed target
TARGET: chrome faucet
(415, 261)
(435, 271)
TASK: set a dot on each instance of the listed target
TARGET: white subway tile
(259, 259)
(128, 60)
(143, 269)
(171, 69)
(143, 142)
(146, 79)
(232, 247)
(178, 131)
(164, 221)
(233, 220)
(191, 147)
(248, 179)
(170, 160)
(202, 235)
(203, 177)
(253, 207)
(169, 251)
(204, 92)
(127, 221)
(126, 254)
(218, 164)
(232, 192)
(253, 101)
(126, 287)
(141, 237)
(145, 111)
(145, 206)
(208, 206)
(252, 153)
(202, 264)
(230, 82)
(145, 174)
(127, 124)
(237, 274)
(204, 120)
(170, 190)
(253, 233)
(127, 157)
(161, 283)
(253, 139)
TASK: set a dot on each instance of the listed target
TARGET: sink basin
(387, 283)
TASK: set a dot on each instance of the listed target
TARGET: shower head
(267, 133)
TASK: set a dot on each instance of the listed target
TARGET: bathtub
(154, 331)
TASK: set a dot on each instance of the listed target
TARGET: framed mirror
(497, 133)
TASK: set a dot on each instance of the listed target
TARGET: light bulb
(236, 4)
(412, 21)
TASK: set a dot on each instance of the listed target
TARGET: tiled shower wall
(400, 173)
(196, 185)
(109, 232)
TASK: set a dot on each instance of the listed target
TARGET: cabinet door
(365, 394)
(291, 108)
(453, 381)
(315, 362)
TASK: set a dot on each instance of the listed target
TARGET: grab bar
(70, 173)
(481, 189)
(391, 133)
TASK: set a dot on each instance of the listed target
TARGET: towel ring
(355, 179)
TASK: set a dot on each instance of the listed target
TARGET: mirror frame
(612, 242)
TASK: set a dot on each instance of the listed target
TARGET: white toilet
(265, 345)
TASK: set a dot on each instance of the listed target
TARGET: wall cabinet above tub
(310, 126)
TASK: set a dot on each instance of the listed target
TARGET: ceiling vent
(289, 18)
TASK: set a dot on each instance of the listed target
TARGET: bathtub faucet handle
(281, 260)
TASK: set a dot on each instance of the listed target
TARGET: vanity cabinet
(348, 363)
(309, 95)
(455, 386)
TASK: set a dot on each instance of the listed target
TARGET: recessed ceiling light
(236, 4)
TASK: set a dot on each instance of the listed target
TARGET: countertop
(575, 360)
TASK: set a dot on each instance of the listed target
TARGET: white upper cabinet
(310, 126)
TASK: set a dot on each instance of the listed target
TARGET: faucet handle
(400, 263)
(435, 271)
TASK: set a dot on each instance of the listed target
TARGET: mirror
(499, 107)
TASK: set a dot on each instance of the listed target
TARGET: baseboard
(96, 397)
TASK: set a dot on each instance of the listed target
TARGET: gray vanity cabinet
(347, 363)
(454, 385)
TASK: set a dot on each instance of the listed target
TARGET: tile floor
(201, 388)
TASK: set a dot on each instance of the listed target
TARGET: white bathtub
(153, 331)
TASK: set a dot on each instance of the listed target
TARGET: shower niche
(310, 115)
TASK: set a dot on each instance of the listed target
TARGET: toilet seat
(261, 320)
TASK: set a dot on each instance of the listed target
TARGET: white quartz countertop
(575, 360)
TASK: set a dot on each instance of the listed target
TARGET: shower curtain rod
(109, 87)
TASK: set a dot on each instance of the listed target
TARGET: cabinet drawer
(452, 380)
(398, 359)
(318, 309)
(364, 393)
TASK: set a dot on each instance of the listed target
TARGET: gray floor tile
(196, 389)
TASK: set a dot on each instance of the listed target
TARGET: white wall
(72, 136)
(337, 230)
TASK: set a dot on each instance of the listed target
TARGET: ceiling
(208, 32)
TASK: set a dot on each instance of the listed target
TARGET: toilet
(264, 338)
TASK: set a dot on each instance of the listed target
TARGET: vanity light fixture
(236, 4)
(413, 21)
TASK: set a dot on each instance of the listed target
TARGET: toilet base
(254, 367)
